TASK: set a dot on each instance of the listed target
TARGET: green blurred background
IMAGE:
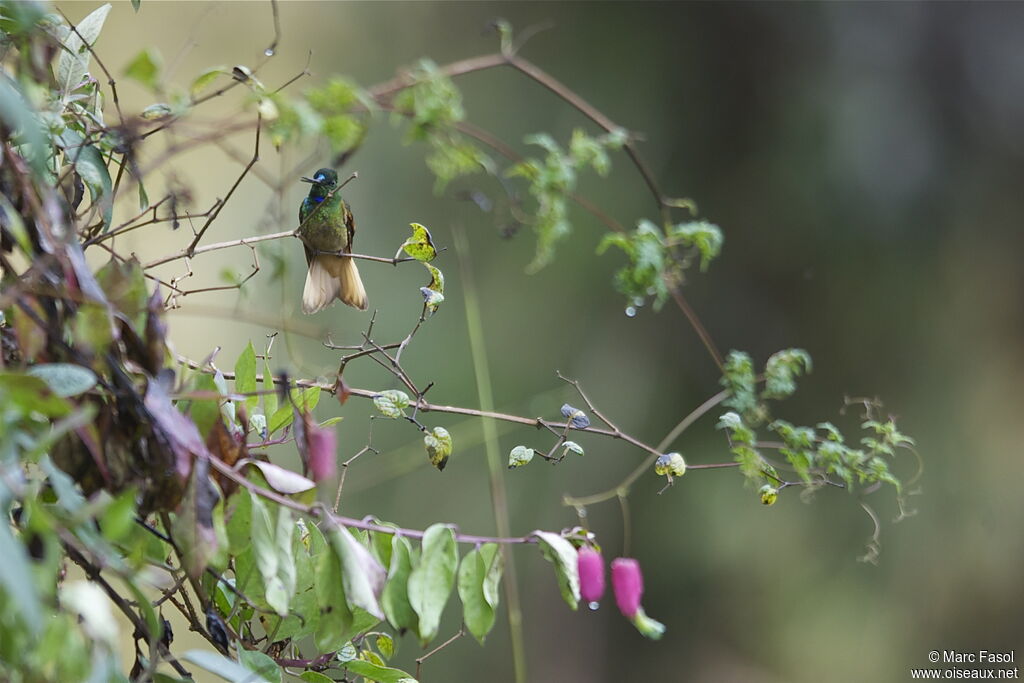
(866, 164)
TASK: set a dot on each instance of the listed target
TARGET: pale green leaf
(16, 578)
(73, 62)
(282, 480)
(362, 575)
(268, 559)
(519, 456)
(375, 672)
(260, 664)
(157, 110)
(206, 78)
(314, 677)
(562, 555)
(145, 68)
(218, 664)
(431, 582)
(65, 379)
(395, 598)
(479, 577)
(572, 446)
(391, 403)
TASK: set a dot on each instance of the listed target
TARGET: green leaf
(305, 398)
(432, 103)
(282, 480)
(739, 379)
(572, 446)
(146, 68)
(362, 575)
(781, 370)
(439, 446)
(194, 525)
(649, 269)
(271, 540)
(245, 376)
(16, 578)
(335, 616)
(30, 394)
(143, 197)
(431, 582)
(453, 157)
(157, 110)
(270, 395)
(479, 577)
(385, 645)
(204, 79)
(519, 456)
(218, 664)
(343, 132)
(375, 672)
(19, 116)
(433, 293)
(124, 285)
(73, 62)
(118, 518)
(90, 166)
(260, 664)
(561, 553)
(391, 403)
(314, 677)
(395, 598)
(705, 237)
(65, 379)
(240, 524)
(419, 246)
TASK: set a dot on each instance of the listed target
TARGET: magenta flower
(590, 565)
(322, 446)
(628, 585)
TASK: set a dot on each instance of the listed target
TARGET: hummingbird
(326, 225)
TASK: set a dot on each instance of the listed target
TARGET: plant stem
(499, 498)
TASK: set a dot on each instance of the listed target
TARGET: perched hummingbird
(326, 225)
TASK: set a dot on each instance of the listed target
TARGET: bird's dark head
(325, 178)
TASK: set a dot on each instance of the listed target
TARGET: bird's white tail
(331, 277)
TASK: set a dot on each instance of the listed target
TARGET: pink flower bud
(591, 569)
(628, 585)
(322, 446)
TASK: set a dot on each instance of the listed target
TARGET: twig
(420, 660)
(191, 249)
(623, 487)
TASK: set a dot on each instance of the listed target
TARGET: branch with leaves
(150, 469)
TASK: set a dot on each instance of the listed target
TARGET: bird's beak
(307, 180)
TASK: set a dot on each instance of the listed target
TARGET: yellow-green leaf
(419, 246)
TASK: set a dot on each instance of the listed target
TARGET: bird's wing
(350, 225)
(309, 254)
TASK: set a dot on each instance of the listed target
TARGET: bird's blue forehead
(320, 177)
